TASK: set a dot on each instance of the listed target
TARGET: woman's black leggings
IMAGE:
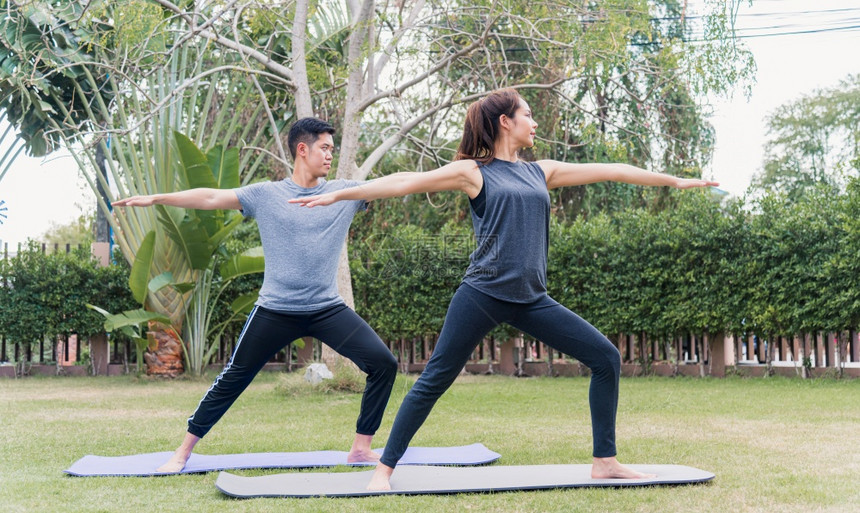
(266, 332)
(471, 315)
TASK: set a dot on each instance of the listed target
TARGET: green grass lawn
(774, 444)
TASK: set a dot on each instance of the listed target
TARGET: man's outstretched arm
(202, 199)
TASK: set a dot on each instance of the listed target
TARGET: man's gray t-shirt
(302, 245)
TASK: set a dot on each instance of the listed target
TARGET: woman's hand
(689, 183)
(320, 200)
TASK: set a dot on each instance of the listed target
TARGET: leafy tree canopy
(813, 141)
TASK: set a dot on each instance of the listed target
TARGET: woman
(506, 279)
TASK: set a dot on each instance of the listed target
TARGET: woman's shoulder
(545, 164)
(466, 168)
(464, 165)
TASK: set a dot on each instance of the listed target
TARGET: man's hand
(201, 198)
(135, 201)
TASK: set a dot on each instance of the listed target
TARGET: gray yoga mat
(446, 480)
(145, 464)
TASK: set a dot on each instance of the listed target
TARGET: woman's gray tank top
(512, 232)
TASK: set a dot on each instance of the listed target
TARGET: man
(299, 295)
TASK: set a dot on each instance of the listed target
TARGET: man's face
(318, 156)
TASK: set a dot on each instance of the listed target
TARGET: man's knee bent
(385, 365)
(389, 364)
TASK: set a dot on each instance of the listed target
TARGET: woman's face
(523, 131)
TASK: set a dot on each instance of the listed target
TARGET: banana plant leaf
(188, 235)
(249, 261)
(128, 318)
(244, 303)
(139, 275)
(165, 279)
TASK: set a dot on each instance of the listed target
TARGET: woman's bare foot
(176, 463)
(381, 480)
(609, 468)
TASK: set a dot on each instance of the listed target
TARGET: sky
(802, 45)
(817, 56)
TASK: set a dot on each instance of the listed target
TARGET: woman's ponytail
(481, 128)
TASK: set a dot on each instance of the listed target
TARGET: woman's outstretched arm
(462, 175)
(562, 174)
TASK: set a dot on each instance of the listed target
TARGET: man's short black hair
(307, 130)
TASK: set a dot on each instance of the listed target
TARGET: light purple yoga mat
(145, 464)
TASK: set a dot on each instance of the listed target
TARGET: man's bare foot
(381, 480)
(362, 456)
(609, 468)
(360, 451)
(176, 463)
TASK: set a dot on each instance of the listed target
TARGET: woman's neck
(506, 150)
(506, 156)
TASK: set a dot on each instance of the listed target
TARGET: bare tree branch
(175, 94)
(280, 159)
(405, 128)
(196, 29)
(260, 57)
(278, 142)
(398, 90)
(382, 62)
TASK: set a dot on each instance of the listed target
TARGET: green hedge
(46, 294)
(775, 268)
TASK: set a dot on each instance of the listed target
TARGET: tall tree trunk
(351, 128)
(344, 287)
(304, 105)
(347, 168)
